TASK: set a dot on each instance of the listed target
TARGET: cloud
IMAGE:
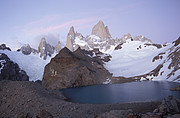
(52, 28)
(32, 29)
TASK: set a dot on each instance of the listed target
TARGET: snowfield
(130, 61)
(32, 64)
(133, 59)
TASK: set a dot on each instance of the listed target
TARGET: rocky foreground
(22, 99)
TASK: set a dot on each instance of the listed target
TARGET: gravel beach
(24, 98)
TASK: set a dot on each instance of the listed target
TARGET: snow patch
(107, 81)
(2, 62)
(32, 64)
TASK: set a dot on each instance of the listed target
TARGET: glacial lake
(119, 93)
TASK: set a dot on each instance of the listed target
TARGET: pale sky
(26, 21)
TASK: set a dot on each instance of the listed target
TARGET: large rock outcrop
(70, 39)
(58, 47)
(45, 49)
(26, 49)
(3, 47)
(73, 69)
(142, 39)
(101, 31)
(10, 70)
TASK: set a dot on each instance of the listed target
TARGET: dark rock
(169, 105)
(155, 72)
(117, 114)
(73, 69)
(156, 45)
(10, 70)
(23, 115)
(174, 116)
(177, 42)
(3, 47)
(39, 82)
(159, 56)
(150, 116)
(43, 114)
(26, 50)
(119, 46)
(175, 88)
(45, 49)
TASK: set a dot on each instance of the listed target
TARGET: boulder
(10, 70)
(73, 69)
(169, 105)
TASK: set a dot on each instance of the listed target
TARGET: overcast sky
(26, 21)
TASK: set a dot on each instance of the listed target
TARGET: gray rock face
(142, 38)
(73, 69)
(70, 39)
(45, 49)
(26, 50)
(169, 105)
(10, 70)
(101, 31)
(58, 47)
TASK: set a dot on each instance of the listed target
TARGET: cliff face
(73, 69)
(101, 31)
(70, 39)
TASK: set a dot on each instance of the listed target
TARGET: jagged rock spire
(72, 33)
(108, 33)
(101, 31)
(42, 48)
(70, 39)
(45, 49)
(58, 47)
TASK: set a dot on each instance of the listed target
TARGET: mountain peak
(70, 39)
(101, 31)
(100, 22)
(72, 32)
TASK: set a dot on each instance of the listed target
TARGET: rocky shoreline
(30, 99)
(20, 98)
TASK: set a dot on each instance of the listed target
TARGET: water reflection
(126, 92)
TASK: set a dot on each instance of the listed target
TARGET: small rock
(43, 114)
(156, 111)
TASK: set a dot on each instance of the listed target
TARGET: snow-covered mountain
(32, 64)
(128, 57)
(44, 49)
(137, 57)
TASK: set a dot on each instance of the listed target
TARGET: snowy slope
(131, 61)
(32, 64)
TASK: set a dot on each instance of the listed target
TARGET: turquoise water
(125, 92)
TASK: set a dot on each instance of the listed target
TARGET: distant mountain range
(127, 57)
